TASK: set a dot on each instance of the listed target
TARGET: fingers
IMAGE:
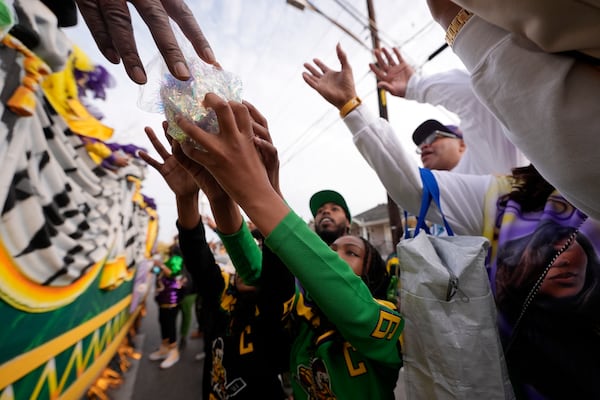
(182, 158)
(255, 114)
(267, 150)
(156, 143)
(209, 142)
(381, 62)
(183, 16)
(242, 119)
(118, 23)
(145, 156)
(259, 125)
(398, 55)
(311, 81)
(95, 21)
(312, 77)
(341, 54)
(190, 151)
(157, 20)
(225, 115)
(379, 73)
(194, 133)
(109, 22)
(385, 86)
(313, 71)
(390, 60)
(261, 132)
(150, 160)
(324, 68)
(165, 126)
(178, 152)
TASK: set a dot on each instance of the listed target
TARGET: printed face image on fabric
(547, 283)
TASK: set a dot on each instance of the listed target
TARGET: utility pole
(393, 210)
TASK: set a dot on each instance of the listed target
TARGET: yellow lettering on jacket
(248, 347)
(354, 369)
(386, 326)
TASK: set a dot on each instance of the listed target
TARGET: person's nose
(423, 147)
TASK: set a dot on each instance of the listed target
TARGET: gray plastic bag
(451, 345)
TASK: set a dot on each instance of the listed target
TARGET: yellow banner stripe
(25, 294)
(15, 369)
(78, 389)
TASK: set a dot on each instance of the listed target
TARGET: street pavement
(145, 380)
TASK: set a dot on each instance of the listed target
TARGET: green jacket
(347, 344)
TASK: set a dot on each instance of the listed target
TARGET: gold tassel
(111, 379)
(23, 100)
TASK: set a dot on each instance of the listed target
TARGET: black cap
(430, 126)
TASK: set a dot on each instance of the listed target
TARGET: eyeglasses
(433, 136)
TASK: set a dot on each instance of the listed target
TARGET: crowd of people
(306, 313)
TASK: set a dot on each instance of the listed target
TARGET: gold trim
(23, 364)
(85, 380)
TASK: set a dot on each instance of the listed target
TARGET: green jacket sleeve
(372, 328)
(244, 253)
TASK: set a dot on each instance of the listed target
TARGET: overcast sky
(265, 43)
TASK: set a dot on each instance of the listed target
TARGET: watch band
(456, 25)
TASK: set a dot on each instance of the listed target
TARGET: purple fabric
(557, 337)
(167, 290)
(130, 149)
(149, 201)
(97, 81)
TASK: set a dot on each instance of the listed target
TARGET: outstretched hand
(235, 162)
(178, 179)
(183, 175)
(337, 87)
(110, 25)
(392, 74)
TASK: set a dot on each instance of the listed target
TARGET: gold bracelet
(456, 25)
(349, 106)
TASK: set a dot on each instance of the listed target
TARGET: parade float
(75, 238)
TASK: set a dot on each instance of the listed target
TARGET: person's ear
(462, 147)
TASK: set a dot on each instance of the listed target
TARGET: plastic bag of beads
(166, 94)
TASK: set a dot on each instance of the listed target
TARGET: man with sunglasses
(485, 149)
(440, 146)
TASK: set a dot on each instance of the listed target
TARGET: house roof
(377, 213)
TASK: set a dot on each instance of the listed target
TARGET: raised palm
(392, 73)
(337, 87)
(184, 176)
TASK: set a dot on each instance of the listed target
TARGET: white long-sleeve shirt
(550, 105)
(462, 196)
(555, 26)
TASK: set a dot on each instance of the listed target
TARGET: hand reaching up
(176, 176)
(337, 87)
(393, 74)
(235, 162)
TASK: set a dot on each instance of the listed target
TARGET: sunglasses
(433, 136)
